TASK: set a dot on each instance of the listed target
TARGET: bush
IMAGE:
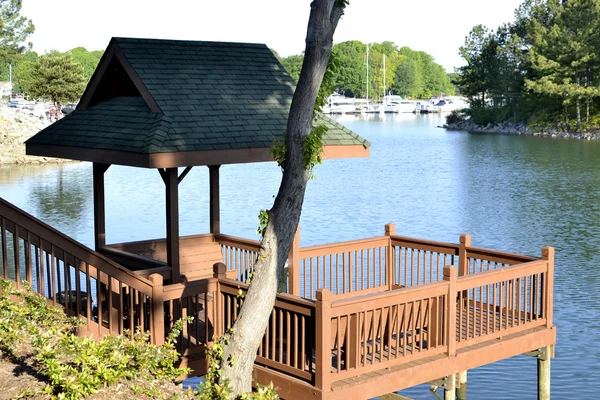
(74, 366)
(456, 116)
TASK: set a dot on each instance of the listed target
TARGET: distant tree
(56, 77)
(293, 65)
(87, 59)
(406, 83)
(22, 72)
(14, 30)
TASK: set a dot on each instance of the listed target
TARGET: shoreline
(520, 129)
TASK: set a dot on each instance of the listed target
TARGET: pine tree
(56, 77)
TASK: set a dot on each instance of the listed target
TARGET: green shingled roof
(210, 95)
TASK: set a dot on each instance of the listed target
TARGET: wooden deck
(360, 319)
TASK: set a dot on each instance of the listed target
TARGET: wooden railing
(289, 341)
(238, 254)
(109, 297)
(359, 335)
(345, 268)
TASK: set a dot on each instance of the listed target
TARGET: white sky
(438, 27)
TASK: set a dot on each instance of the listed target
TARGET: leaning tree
(297, 156)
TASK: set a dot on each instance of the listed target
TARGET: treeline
(543, 68)
(25, 65)
(56, 77)
(408, 73)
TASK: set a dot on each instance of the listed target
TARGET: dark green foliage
(543, 66)
(74, 366)
(56, 77)
(14, 30)
(407, 72)
(88, 60)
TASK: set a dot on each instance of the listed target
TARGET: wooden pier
(356, 319)
(360, 319)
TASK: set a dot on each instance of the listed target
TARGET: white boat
(397, 104)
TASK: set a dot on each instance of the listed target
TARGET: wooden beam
(184, 173)
(163, 174)
(215, 207)
(393, 396)
(99, 205)
(172, 197)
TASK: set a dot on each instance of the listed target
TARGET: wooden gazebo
(356, 319)
(167, 104)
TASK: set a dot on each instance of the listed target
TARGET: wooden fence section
(289, 341)
(109, 297)
(238, 254)
(345, 268)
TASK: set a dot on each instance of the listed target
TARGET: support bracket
(540, 354)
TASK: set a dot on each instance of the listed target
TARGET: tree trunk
(588, 82)
(249, 328)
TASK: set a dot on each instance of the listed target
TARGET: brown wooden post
(215, 210)
(548, 255)
(390, 257)
(158, 310)
(294, 265)
(172, 194)
(463, 259)
(450, 277)
(323, 347)
(219, 272)
(98, 171)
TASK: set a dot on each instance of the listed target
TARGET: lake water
(510, 193)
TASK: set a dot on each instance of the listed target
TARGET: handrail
(83, 253)
(422, 244)
(507, 273)
(498, 256)
(340, 247)
(241, 243)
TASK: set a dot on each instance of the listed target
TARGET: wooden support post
(99, 205)
(215, 212)
(390, 257)
(294, 265)
(323, 347)
(158, 310)
(461, 387)
(172, 194)
(543, 365)
(450, 277)
(463, 259)
(450, 389)
(548, 299)
(219, 272)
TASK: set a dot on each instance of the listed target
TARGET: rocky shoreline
(520, 129)
(15, 128)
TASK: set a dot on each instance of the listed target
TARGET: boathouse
(357, 319)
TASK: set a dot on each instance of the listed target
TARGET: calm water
(510, 193)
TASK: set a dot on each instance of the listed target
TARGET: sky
(437, 27)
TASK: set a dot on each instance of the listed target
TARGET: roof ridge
(186, 41)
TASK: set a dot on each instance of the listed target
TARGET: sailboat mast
(367, 72)
(384, 75)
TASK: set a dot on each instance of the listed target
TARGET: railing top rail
(395, 296)
(281, 297)
(246, 244)
(331, 247)
(499, 256)
(84, 253)
(158, 240)
(503, 274)
(441, 247)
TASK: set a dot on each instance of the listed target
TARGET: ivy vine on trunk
(243, 341)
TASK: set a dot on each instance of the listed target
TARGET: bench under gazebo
(174, 105)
